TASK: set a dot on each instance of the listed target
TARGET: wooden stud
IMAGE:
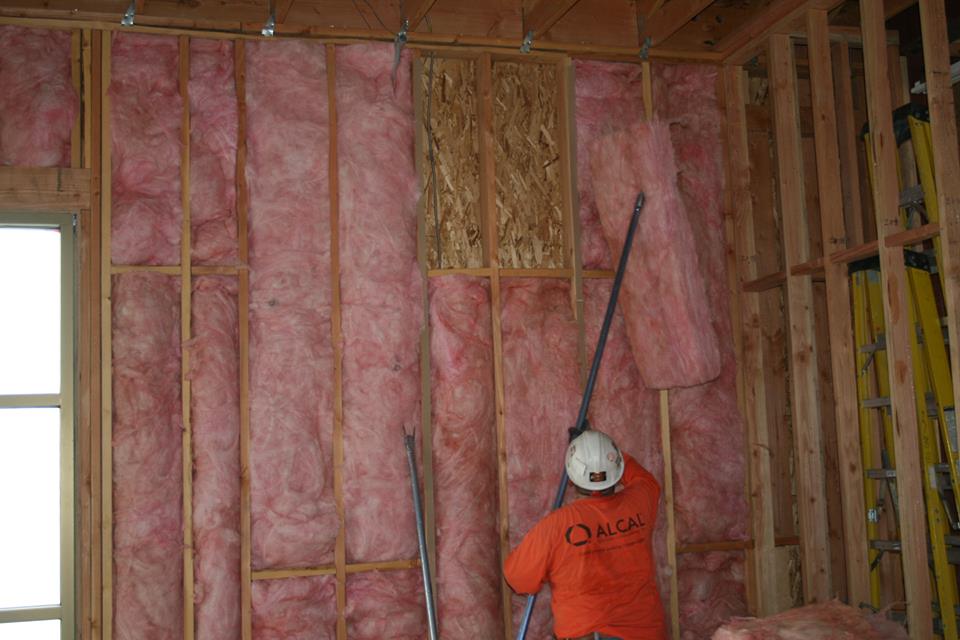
(106, 346)
(186, 309)
(943, 133)
(668, 507)
(780, 17)
(340, 549)
(810, 472)
(916, 574)
(847, 136)
(243, 316)
(488, 209)
(753, 399)
(76, 75)
(41, 190)
(833, 232)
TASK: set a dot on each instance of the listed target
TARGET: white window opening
(37, 514)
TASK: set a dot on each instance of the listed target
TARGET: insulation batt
(294, 609)
(381, 298)
(464, 458)
(663, 297)
(293, 513)
(213, 152)
(706, 426)
(624, 409)
(609, 95)
(541, 398)
(147, 464)
(215, 405)
(386, 604)
(828, 621)
(38, 104)
(145, 129)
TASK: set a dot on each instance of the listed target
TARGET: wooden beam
(283, 10)
(43, 189)
(782, 16)
(898, 330)
(336, 330)
(765, 283)
(670, 18)
(417, 10)
(847, 132)
(943, 134)
(894, 7)
(808, 450)
(833, 232)
(753, 398)
(544, 14)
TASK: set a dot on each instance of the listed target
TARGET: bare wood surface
(670, 18)
(332, 570)
(781, 16)
(543, 14)
(810, 472)
(44, 189)
(764, 283)
(916, 574)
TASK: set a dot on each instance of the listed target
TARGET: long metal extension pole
(581, 424)
(408, 441)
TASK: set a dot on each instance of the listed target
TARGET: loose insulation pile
(301, 259)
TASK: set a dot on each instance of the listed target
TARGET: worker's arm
(634, 474)
(527, 566)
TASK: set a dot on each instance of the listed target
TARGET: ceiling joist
(417, 10)
(670, 18)
(543, 14)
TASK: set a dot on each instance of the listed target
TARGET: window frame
(66, 611)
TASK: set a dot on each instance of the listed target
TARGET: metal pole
(408, 441)
(581, 424)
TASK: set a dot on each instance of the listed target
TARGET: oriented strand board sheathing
(145, 123)
(669, 319)
(381, 298)
(386, 604)
(147, 481)
(609, 96)
(526, 128)
(706, 426)
(541, 397)
(215, 419)
(294, 522)
(294, 609)
(464, 454)
(38, 104)
(827, 621)
(711, 589)
(213, 152)
(451, 101)
(624, 409)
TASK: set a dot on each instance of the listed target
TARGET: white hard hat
(594, 462)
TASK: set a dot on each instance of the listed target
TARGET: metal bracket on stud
(129, 14)
(271, 25)
(527, 42)
(645, 49)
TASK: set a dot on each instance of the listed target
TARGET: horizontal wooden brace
(361, 567)
(733, 545)
(44, 189)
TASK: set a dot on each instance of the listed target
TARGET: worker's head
(594, 463)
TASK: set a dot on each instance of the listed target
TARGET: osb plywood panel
(527, 155)
(449, 108)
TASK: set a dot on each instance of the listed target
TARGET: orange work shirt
(597, 555)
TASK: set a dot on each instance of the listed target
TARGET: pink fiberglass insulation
(294, 609)
(711, 590)
(669, 320)
(381, 298)
(464, 458)
(609, 96)
(213, 152)
(624, 409)
(145, 130)
(291, 355)
(541, 398)
(147, 464)
(38, 104)
(706, 426)
(215, 400)
(828, 621)
(387, 604)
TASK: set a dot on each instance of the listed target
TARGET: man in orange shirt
(596, 552)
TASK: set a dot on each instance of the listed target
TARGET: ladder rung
(882, 474)
(876, 403)
(951, 541)
(941, 468)
(885, 545)
(879, 345)
(911, 195)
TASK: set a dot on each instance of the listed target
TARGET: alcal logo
(580, 534)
